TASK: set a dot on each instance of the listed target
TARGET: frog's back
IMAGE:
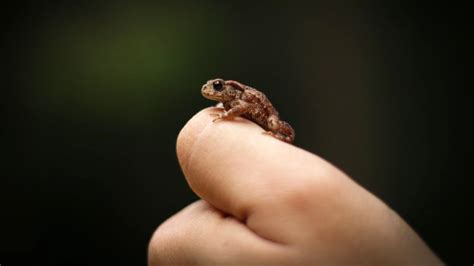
(256, 97)
(263, 107)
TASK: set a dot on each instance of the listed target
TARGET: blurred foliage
(122, 62)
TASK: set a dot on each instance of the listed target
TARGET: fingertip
(202, 122)
(190, 133)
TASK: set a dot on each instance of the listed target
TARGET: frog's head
(218, 90)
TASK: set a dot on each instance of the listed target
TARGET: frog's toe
(217, 116)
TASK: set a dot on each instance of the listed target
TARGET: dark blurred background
(95, 93)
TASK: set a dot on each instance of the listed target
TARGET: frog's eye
(217, 85)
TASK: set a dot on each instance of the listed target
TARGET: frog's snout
(205, 91)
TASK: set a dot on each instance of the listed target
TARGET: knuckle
(309, 192)
(165, 245)
(299, 194)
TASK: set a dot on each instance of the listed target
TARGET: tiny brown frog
(241, 100)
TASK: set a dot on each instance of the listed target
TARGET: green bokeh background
(96, 93)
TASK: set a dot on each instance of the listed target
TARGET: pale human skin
(266, 202)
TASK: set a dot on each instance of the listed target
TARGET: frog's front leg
(238, 107)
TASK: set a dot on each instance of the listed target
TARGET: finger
(237, 169)
(201, 234)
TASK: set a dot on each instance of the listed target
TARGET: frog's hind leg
(278, 136)
(280, 129)
(287, 131)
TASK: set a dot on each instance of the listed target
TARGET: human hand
(267, 202)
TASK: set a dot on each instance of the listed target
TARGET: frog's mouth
(210, 97)
(209, 93)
